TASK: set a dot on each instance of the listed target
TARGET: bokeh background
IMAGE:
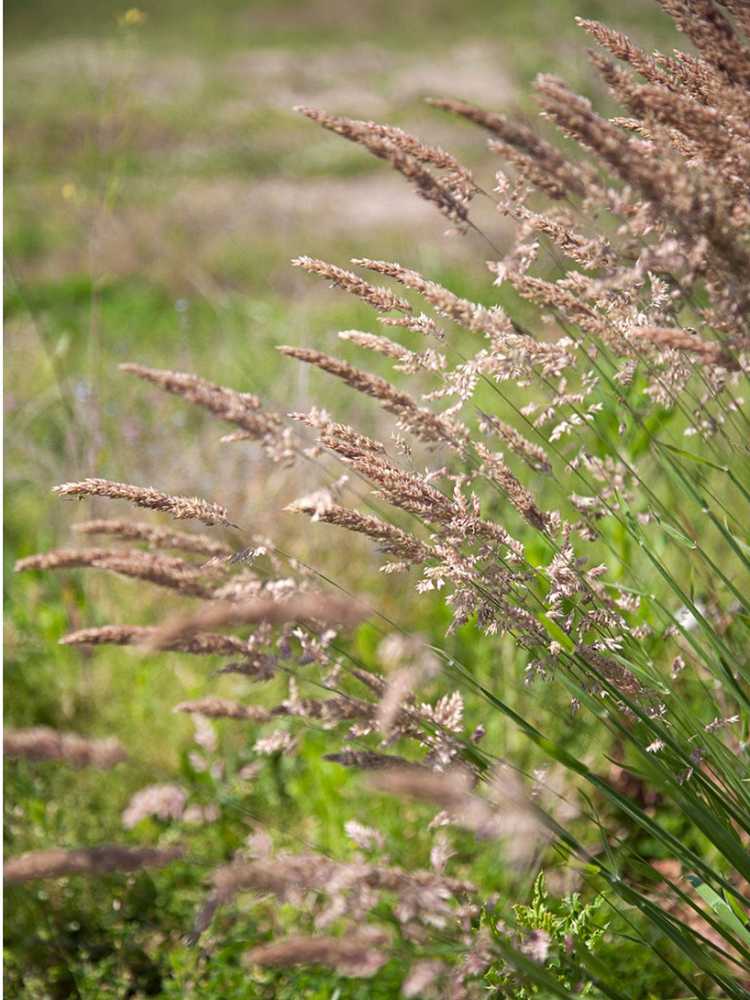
(157, 185)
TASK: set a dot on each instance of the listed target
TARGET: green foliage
(569, 923)
(553, 933)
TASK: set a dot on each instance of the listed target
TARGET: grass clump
(570, 478)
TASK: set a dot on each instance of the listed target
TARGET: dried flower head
(182, 508)
(379, 298)
(101, 860)
(43, 743)
(222, 708)
(327, 609)
(164, 571)
(154, 537)
(165, 802)
(449, 194)
(359, 955)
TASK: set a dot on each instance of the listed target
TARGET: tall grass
(577, 488)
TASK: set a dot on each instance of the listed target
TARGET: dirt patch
(366, 81)
(102, 66)
(199, 231)
(175, 167)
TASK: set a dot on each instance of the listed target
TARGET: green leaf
(674, 533)
(721, 908)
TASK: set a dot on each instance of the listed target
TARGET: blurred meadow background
(157, 185)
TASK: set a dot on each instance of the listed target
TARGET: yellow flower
(132, 18)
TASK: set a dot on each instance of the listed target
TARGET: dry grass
(93, 861)
(649, 331)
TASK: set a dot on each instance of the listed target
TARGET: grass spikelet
(381, 299)
(427, 426)
(533, 454)
(623, 48)
(468, 314)
(548, 168)
(91, 861)
(181, 508)
(241, 408)
(408, 361)
(707, 352)
(713, 36)
(359, 955)
(222, 708)
(164, 571)
(510, 815)
(449, 197)
(154, 537)
(521, 498)
(44, 743)
(203, 644)
(327, 609)
(368, 760)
